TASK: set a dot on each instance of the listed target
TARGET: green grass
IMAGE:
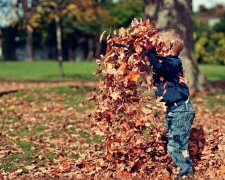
(26, 136)
(18, 161)
(213, 99)
(46, 71)
(213, 72)
(26, 146)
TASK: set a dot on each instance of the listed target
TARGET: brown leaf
(222, 169)
(121, 69)
(133, 76)
(102, 35)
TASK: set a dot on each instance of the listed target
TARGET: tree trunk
(1, 37)
(59, 46)
(177, 14)
(8, 42)
(29, 44)
(98, 47)
(90, 48)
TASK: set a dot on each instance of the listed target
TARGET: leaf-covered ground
(45, 132)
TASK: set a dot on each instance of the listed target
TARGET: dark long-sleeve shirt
(167, 72)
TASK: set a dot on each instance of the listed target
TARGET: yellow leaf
(121, 69)
(30, 167)
(109, 69)
(98, 62)
(185, 153)
(12, 107)
(146, 110)
(133, 76)
(18, 171)
(222, 169)
(101, 37)
(138, 122)
(183, 80)
(122, 31)
(115, 95)
(147, 23)
(138, 48)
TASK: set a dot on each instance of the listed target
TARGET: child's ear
(171, 52)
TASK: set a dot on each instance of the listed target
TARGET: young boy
(172, 89)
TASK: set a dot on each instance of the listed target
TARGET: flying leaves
(101, 37)
(123, 112)
(127, 116)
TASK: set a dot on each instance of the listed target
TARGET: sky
(196, 3)
(207, 3)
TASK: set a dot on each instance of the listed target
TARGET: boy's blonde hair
(168, 42)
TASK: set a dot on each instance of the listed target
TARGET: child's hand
(147, 45)
(151, 54)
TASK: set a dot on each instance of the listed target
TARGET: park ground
(44, 131)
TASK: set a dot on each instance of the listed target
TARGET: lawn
(44, 132)
(48, 71)
(213, 72)
(42, 128)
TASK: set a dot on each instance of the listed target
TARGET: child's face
(162, 47)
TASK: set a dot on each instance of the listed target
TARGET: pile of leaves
(130, 120)
(124, 113)
(45, 134)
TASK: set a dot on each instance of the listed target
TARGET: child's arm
(152, 57)
(169, 67)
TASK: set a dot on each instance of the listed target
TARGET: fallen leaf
(101, 37)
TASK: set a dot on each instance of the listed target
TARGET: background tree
(18, 13)
(209, 42)
(53, 11)
(8, 42)
(220, 26)
(91, 18)
(0, 44)
(124, 11)
(99, 16)
(86, 16)
(28, 9)
(8, 32)
(177, 14)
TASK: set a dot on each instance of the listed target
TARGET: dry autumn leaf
(129, 120)
(102, 35)
(133, 76)
(121, 69)
(222, 169)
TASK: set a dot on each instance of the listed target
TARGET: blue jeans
(178, 124)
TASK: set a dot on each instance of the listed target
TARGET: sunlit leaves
(133, 76)
(121, 114)
(128, 117)
(101, 37)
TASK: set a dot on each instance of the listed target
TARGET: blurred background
(47, 60)
(44, 40)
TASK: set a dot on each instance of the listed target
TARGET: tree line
(69, 24)
(64, 24)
